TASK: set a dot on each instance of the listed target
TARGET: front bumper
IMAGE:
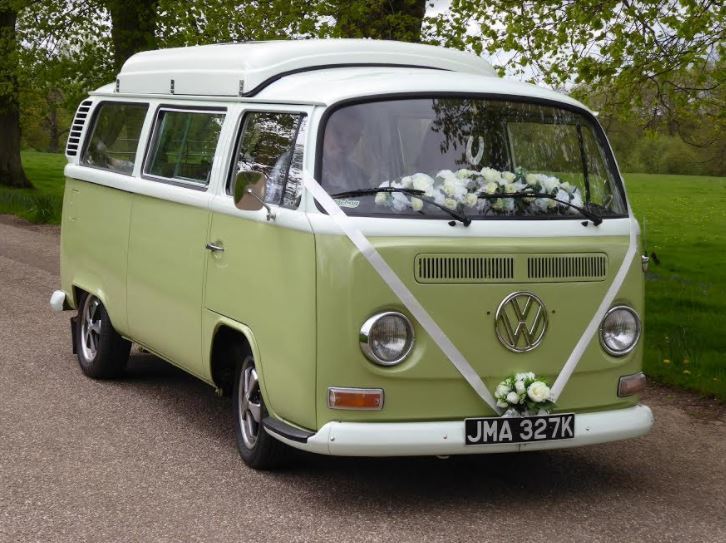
(447, 437)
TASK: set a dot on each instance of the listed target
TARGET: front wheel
(102, 352)
(257, 448)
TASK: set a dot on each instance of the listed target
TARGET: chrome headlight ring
(368, 333)
(636, 337)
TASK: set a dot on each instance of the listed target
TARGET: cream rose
(450, 203)
(470, 200)
(513, 398)
(490, 188)
(508, 176)
(382, 198)
(502, 391)
(416, 204)
(519, 387)
(538, 392)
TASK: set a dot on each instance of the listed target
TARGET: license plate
(489, 430)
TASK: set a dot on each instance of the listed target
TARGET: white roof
(245, 68)
(329, 86)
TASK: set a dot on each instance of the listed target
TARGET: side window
(272, 144)
(115, 137)
(183, 145)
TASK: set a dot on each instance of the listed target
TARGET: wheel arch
(221, 369)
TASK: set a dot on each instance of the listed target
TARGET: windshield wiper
(420, 194)
(593, 217)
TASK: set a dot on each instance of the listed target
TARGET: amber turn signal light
(362, 399)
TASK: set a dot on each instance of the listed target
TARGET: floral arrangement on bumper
(524, 394)
(461, 189)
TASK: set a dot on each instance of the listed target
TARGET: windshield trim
(598, 130)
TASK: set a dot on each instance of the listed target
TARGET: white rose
(510, 188)
(513, 398)
(416, 204)
(491, 175)
(524, 376)
(382, 198)
(421, 181)
(508, 176)
(502, 403)
(502, 391)
(450, 203)
(498, 204)
(519, 387)
(470, 200)
(567, 186)
(538, 392)
(465, 174)
(532, 179)
(407, 182)
(400, 201)
(490, 188)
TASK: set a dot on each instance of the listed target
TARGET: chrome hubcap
(90, 328)
(250, 404)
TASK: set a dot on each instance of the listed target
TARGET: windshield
(463, 153)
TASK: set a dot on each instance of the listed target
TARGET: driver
(340, 172)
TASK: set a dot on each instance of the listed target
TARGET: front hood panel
(461, 283)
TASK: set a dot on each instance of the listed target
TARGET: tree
(133, 27)
(379, 19)
(659, 56)
(11, 167)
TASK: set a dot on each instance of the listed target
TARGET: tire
(102, 352)
(258, 449)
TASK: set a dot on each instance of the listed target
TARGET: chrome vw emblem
(521, 322)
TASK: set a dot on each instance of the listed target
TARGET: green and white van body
(292, 283)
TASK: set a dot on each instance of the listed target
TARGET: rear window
(115, 137)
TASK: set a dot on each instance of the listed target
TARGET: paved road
(152, 458)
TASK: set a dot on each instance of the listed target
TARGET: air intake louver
(79, 121)
(570, 268)
(463, 269)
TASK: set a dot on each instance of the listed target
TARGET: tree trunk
(11, 167)
(380, 19)
(132, 27)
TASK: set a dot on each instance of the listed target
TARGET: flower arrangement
(524, 394)
(461, 189)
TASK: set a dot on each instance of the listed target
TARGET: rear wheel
(102, 352)
(257, 448)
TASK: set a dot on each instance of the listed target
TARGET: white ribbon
(592, 328)
(433, 329)
(402, 291)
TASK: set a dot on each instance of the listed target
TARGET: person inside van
(341, 172)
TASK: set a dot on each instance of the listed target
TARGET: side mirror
(249, 192)
(247, 184)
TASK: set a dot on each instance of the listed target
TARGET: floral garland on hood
(462, 189)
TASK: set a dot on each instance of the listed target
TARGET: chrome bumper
(447, 437)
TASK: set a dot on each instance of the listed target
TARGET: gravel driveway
(152, 458)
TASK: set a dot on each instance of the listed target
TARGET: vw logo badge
(521, 322)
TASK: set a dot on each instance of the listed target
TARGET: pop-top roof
(245, 68)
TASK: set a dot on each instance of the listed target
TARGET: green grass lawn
(43, 203)
(685, 226)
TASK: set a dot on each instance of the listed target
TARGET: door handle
(215, 247)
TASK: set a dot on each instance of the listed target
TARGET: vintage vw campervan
(377, 248)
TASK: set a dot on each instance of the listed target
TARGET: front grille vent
(79, 121)
(590, 267)
(463, 268)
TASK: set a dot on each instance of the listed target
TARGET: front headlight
(387, 338)
(620, 330)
